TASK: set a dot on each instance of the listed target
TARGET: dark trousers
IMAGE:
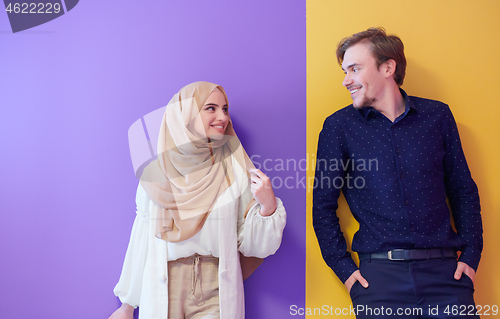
(413, 289)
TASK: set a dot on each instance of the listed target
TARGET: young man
(397, 159)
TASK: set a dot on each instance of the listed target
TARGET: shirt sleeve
(128, 288)
(462, 195)
(331, 240)
(258, 236)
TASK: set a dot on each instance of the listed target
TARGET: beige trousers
(193, 288)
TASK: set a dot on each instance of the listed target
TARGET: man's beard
(366, 102)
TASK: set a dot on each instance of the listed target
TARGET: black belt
(411, 254)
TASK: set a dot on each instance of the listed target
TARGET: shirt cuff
(344, 268)
(470, 256)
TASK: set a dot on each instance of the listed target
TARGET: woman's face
(214, 116)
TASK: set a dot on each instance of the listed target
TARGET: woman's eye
(210, 108)
(225, 110)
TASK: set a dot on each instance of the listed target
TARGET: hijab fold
(191, 170)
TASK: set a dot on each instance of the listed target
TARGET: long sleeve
(258, 236)
(331, 240)
(400, 201)
(462, 194)
(129, 287)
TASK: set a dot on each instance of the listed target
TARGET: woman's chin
(216, 137)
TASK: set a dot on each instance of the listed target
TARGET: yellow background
(453, 53)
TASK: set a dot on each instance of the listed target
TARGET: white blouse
(144, 278)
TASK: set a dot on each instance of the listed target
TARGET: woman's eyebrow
(214, 104)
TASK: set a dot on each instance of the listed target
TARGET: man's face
(363, 79)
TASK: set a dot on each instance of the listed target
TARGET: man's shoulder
(344, 114)
(426, 105)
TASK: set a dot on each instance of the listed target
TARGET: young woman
(200, 205)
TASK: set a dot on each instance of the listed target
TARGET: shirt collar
(365, 111)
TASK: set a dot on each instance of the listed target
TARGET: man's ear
(389, 67)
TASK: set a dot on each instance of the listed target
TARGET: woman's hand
(262, 191)
(126, 311)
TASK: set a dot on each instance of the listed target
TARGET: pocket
(467, 281)
(354, 288)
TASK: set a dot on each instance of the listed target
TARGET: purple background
(70, 89)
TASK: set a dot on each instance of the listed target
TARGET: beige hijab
(191, 171)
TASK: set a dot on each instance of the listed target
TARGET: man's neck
(392, 104)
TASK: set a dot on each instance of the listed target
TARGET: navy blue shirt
(396, 178)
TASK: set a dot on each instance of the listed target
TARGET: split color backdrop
(452, 52)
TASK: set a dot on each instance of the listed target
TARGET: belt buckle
(391, 257)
